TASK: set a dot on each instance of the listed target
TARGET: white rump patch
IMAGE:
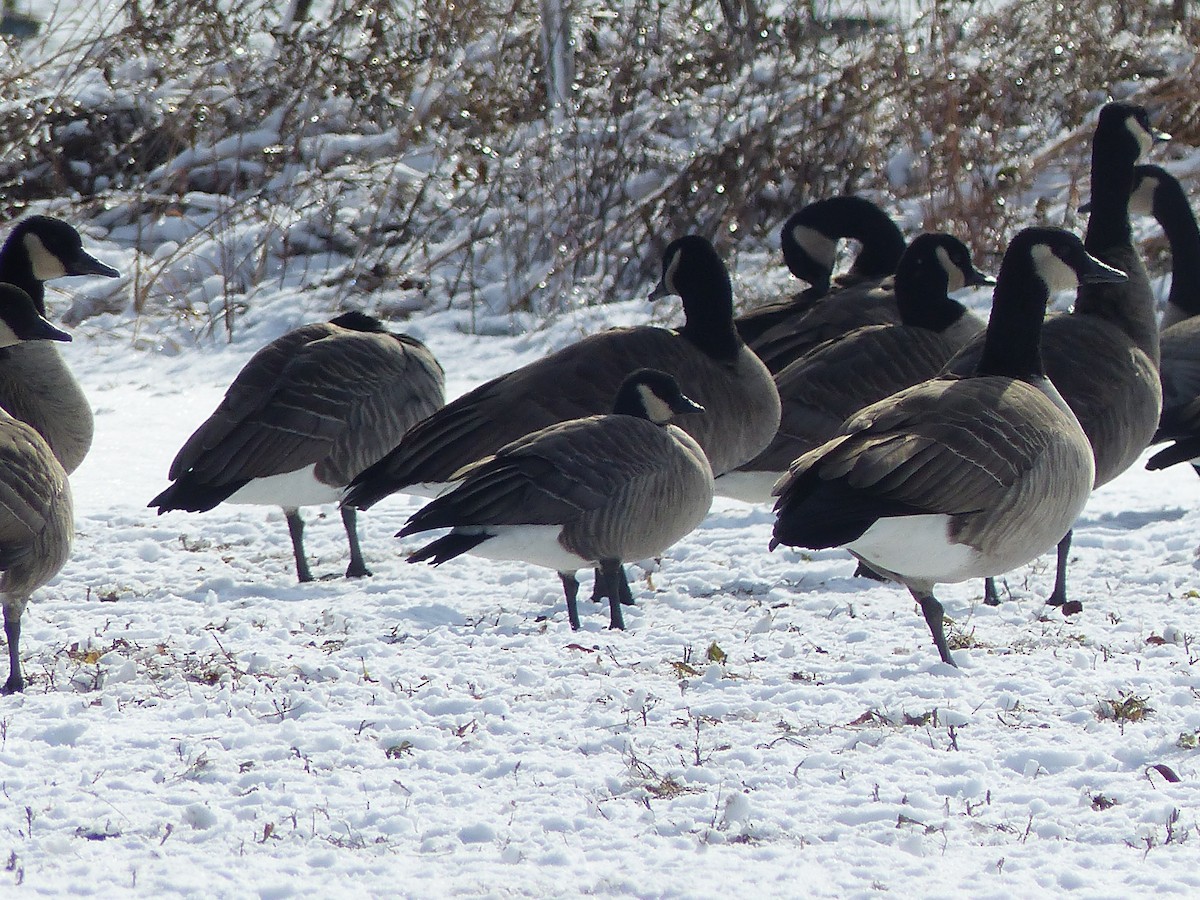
(918, 548)
(534, 544)
(749, 487)
(291, 489)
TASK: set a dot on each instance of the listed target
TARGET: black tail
(818, 514)
(189, 496)
(1182, 450)
(448, 547)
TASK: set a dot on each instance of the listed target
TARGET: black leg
(296, 529)
(358, 566)
(12, 633)
(991, 596)
(623, 586)
(934, 614)
(571, 590)
(598, 588)
(613, 575)
(1059, 597)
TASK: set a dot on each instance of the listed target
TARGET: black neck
(1112, 179)
(1012, 345)
(707, 296)
(1174, 214)
(922, 298)
(882, 246)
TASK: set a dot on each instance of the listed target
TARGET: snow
(197, 723)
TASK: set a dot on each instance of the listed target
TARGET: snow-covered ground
(199, 724)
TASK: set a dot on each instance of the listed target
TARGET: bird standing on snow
(35, 384)
(36, 522)
(307, 413)
(705, 356)
(588, 492)
(958, 477)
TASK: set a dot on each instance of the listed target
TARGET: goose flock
(874, 411)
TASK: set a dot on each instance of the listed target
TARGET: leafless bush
(410, 143)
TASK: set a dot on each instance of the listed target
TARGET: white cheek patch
(1145, 140)
(1054, 273)
(8, 337)
(46, 265)
(820, 247)
(955, 279)
(657, 411)
(669, 275)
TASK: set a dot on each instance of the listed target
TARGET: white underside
(749, 487)
(291, 489)
(919, 548)
(534, 544)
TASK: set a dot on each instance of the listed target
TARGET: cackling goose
(809, 240)
(305, 414)
(959, 476)
(1159, 193)
(1103, 356)
(35, 384)
(826, 386)
(36, 524)
(588, 492)
(705, 356)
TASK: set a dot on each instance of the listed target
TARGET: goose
(36, 521)
(809, 240)
(588, 492)
(36, 386)
(307, 412)
(836, 379)
(705, 356)
(959, 476)
(1103, 356)
(1160, 194)
(830, 316)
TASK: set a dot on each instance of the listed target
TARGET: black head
(354, 320)
(692, 270)
(654, 395)
(809, 239)
(20, 320)
(939, 258)
(932, 266)
(55, 249)
(1124, 131)
(1038, 262)
(1058, 259)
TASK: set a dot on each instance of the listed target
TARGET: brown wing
(741, 406)
(339, 400)
(832, 316)
(944, 446)
(822, 389)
